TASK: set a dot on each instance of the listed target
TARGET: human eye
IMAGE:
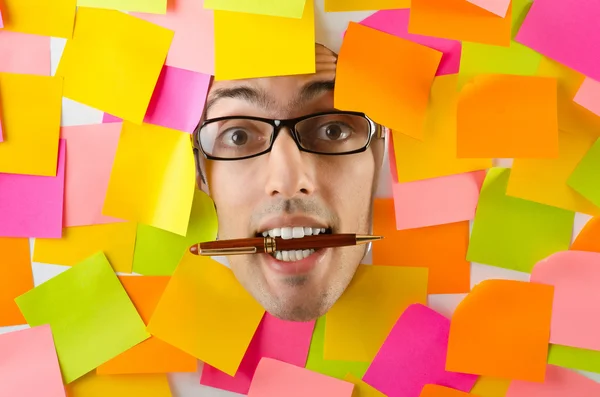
(242, 135)
(334, 131)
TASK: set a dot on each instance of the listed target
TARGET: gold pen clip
(228, 251)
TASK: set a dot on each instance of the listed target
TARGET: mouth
(287, 233)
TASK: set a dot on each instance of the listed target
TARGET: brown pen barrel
(315, 242)
(257, 242)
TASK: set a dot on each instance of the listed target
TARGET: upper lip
(291, 221)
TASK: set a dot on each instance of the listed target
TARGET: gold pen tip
(194, 249)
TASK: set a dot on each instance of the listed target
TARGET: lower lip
(302, 266)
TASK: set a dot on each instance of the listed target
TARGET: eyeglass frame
(376, 130)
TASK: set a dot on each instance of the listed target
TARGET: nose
(289, 173)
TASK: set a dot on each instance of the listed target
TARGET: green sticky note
(574, 358)
(334, 368)
(514, 233)
(158, 252)
(275, 8)
(91, 317)
(586, 177)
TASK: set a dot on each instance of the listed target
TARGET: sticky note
(441, 249)
(92, 385)
(152, 6)
(91, 151)
(32, 206)
(152, 355)
(498, 7)
(92, 318)
(501, 329)
(435, 155)
(572, 357)
(193, 43)
(437, 201)
(116, 240)
(508, 116)
(490, 387)
(277, 378)
(459, 20)
(24, 53)
(1, 20)
(513, 233)
(395, 22)
(361, 388)
(158, 252)
(555, 28)
(442, 391)
(559, 382)
(178, 99)
(414, 354)
(364, 5)
(114, 70)
(163, 198)
(16, 279)
(30, 143)
(545, 180)
(286, 341)
(363, 316)
(54, 18)
(206, 312)
(584, 178)
(249, 36)
(575, 276)
(335, 368)
(28, 364)
(275, 8)
(589, 237)
(588, 95)
(395, 97)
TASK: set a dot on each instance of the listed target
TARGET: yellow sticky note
(31, 107)
(268, 46)
(206, 312)
(357, 325)
(113, 62)
(545, 180)
(364, 5)
(92, 385)
(149, 6)
(116, 240)
(490, 387)
(361, 388)
(153, 177)
(276, 8)
(435, 155)
(46, 18)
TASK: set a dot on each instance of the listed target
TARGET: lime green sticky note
(276, 8)
(514, 233)
(91, 316)
(149, 6)
(585, 179)
(158, 252)
(574, 358)
(334, 368)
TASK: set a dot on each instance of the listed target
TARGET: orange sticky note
(152, 355)
(589, 237)
(374, 77)
(16, 279)
(442, 391)
(501, 115)
(459, 20)
(502, 329)
(442, 249)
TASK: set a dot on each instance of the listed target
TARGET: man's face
(287, 188)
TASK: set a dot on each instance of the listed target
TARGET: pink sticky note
(109, 118)
(395, 22)
(178, 99)
(575, 276)
(29, 365)
(437, 201)
(588, 95)
(286, 341)
(24, 53)
(565, 31)
(275, 378)
(414, 354)
(559, 382)
(498, 7)
(1, 21)
(32, 206)
(90, 154)
(193, 45)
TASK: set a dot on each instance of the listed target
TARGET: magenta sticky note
(414, 354)
(32, 206)
(178, 99)
(395, 22)
(559, 382)
(29, 364)
(286, 341)
(566, 31)
(109, 118)
(24, 53)
(274, 378)
(1, 21)
(588, 95)
(575, 276)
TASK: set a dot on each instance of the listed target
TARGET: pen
(259, 245)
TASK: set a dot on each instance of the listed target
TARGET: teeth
(287, 233)
(289, 256)
(292, 256)
(316, 231)
(278, 255)
(307, 231)
(297, 232)
(285, 256)
(265, 234)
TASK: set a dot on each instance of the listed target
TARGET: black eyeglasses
(328, 133)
